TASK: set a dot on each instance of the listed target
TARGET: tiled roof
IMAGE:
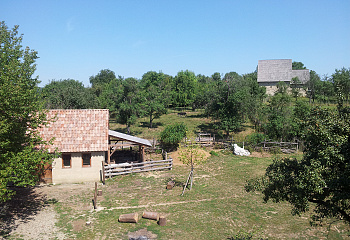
(78, 130)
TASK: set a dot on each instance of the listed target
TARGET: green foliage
(154, 95)
(255, 138)
(68, 94)
(21, 114)
(213, 153)
(172, 135)
(184, 86)
(298, 66)
(322, 177)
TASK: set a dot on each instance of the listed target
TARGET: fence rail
(111, 170)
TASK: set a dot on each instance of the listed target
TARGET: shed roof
(129, 138)
(77, 130)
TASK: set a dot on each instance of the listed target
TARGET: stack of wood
(133, 218)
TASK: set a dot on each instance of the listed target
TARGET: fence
(125, 168)
(285, 147)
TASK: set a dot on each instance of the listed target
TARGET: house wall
(77, 173)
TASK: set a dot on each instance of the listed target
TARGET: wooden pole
(103, 173)
(95, 196)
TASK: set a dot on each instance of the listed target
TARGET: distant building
(270, 72)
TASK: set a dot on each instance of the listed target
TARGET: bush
(172, 135)
(255, 138)
(213, 153)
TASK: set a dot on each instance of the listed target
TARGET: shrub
(255, 138)
(172, 135)
(213, 153)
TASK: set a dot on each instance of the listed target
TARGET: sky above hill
(76, 39)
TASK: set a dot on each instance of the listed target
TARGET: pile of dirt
(176, 160)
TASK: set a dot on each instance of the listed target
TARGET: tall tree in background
(130, 105)
(154, 98)
(298, 66)
(21, 114)
(341, 81)
(67, 94)
(184, 86)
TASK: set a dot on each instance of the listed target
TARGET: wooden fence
(111, 170)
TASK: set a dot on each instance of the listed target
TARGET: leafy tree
(172, 135)
(99, 81)
(298, 66)
(184, 86)
(130, 107)
(154, 97)
(190, 155)
(322, 177)
(295, 84)
(341, 81)
(279, 112)
(22, 158)
(111, 96)
(67, 94)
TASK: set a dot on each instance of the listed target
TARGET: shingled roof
(280, 70)
(78, 130)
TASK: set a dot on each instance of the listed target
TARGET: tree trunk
(150, 121)
(129, 218)
(162, 221)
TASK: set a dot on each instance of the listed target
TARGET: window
(86, 159)
(66, 161)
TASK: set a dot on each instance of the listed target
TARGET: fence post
(95, 195)
(103, 173)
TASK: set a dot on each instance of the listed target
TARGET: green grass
(217, 207)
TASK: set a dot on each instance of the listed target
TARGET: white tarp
(240, 151)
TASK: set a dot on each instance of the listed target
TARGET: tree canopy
(21, 114)
(322, 176)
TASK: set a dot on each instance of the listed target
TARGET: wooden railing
(111, 170)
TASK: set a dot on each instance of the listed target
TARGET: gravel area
(39, 226)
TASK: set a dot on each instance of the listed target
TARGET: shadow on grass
(23, 206)
(147, 125)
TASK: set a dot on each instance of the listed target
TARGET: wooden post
(103, 173)
(143, 153)
(95, 196)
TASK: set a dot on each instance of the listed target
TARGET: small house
(84, 142)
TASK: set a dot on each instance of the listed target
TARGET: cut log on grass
(151, 215)
(170, 185)
(162, 221)
(129, 218)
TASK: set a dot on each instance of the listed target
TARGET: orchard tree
(22, 158)
(67, 94)
(130, 105)
(320, 181)
(184, 86)
(154, 97)
(341, 81)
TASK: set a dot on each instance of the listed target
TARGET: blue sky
(77, 39)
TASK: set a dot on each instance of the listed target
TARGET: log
(129, 218)
(162, 221)
(151, 215)
(170, 185)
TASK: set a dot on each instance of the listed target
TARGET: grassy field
(217, 207)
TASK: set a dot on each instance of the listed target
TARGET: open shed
(127, 143)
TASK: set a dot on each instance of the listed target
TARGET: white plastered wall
(77, 173)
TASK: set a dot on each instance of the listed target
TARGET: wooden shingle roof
(77, 130)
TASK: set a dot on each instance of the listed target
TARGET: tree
(22, 157)
(298, 66)
(154, 95)
(184, 86)
(341, 81)
(295, 85)
(190, 155)
(172, 135)
(322, 177)
(130, 107)
(67, 94)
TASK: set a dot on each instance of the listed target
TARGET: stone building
(270, 72)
